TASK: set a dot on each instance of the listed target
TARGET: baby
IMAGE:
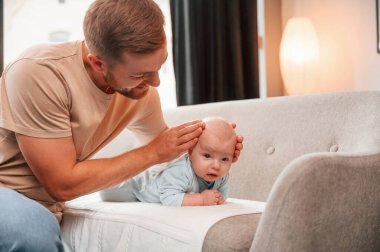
(198, 178)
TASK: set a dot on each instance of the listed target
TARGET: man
(61, 103)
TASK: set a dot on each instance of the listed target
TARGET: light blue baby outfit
(167, 186)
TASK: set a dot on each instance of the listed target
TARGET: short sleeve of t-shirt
(35, 101)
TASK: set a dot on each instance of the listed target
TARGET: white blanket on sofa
(91, 225)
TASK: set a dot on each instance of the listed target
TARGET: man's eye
(206, 155)
(137, 76)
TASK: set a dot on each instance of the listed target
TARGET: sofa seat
(92, 225)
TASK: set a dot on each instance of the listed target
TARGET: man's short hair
(112, 27)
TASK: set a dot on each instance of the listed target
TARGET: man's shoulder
(44, 60)
(51, 51)
(43, 55)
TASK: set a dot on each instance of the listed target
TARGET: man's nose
(154, 80)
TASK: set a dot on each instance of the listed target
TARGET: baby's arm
(206, 198)
(223, 189)
(173, 184)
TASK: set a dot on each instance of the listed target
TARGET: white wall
(346, 30)
(27, 23)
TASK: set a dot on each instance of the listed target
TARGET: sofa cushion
(234, 233)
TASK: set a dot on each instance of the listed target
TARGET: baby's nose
(216, 164)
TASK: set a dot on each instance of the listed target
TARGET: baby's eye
(225, 159)
(206, 155)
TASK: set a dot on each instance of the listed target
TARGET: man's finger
(190, 136)
(188, 124)
(237, 153)
(239, 146)
(239, 139)
(188, 145)
(236, 156)
(190, 128)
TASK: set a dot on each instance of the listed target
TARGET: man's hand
(174, 141)
(239, 145)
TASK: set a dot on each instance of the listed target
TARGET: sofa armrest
(323, 202)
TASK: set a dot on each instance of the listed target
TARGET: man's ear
(96, 63)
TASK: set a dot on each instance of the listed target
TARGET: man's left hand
(239, 145)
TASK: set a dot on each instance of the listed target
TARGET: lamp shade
(299, 56)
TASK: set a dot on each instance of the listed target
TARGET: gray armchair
(323, 202)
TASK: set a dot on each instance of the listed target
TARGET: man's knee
(26, 225)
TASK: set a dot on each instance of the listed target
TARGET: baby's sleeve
(173, 184)
(223, 188)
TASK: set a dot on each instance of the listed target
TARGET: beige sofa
(313, 159)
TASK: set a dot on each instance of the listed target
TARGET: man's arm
(53, 161)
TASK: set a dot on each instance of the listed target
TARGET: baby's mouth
(212, 175)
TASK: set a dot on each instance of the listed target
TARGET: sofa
(308, 179)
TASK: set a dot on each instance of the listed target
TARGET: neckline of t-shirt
(99, 93)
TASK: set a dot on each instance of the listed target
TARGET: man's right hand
(175, 141)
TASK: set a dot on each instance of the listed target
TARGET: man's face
(136, 73)
(211, 158)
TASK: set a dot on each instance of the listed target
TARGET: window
(31, 22)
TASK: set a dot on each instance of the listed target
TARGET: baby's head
(212, 157)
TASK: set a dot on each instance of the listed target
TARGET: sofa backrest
(278, 130)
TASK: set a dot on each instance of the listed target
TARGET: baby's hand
(221, 200)
(212, 197)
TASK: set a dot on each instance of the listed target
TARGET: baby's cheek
(226, 168)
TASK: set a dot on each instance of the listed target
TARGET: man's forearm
(92, 175)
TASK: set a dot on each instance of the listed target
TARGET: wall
(273, 31)
(346, 30)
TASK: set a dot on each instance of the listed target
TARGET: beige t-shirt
(47, 93)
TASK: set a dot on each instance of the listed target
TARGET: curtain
(215, 50)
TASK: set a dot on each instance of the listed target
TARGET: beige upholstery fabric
(232, 234)
(278, 130)
(323, 202)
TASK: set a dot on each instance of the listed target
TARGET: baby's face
(212, 157)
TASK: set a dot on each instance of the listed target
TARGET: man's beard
(127, 92)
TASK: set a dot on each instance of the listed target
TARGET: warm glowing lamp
(299, 56)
